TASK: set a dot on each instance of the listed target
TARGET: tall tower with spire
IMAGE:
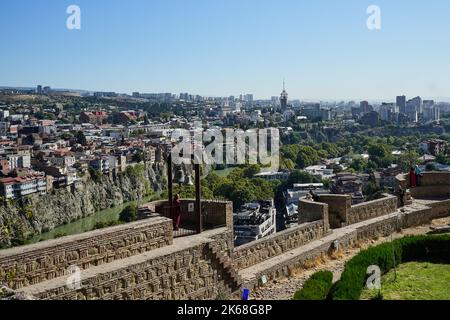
(284, 97)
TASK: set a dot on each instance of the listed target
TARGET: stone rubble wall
(372, 209)
(339, 205)
(351, 236)
(169, 273)
(255, 252)
(216, 213)
(310, 211)
(141, 260)
(431, 184)
(25, 266)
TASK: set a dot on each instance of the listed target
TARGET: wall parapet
(431, 185)
(28, 265)
(255, 252)
(338, 208)
(216, 213)
(187, 270)
(372, 209)
(340, 212)
(311, 211)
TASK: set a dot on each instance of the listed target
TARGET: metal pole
(169, 179)
(198, 203)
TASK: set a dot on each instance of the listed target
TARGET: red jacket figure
(176, 213)
(412, 178)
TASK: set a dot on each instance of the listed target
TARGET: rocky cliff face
(37, 214)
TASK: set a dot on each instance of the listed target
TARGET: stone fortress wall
(143, 261)
(28, 265)
(255, 252)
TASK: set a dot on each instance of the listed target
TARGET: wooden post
(169, 179)
(198, 201)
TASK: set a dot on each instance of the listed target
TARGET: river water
(87, 223)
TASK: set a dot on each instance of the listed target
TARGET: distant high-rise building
(365, 107)
(388, 112)
(249, 100)
(415, 103)
(371, 119)
(431, 112)
(275, 101)
(356, 112)
(428, 103)
(412, 115)
(312, 111)
(238, 107)
(401, 104)
(39, 89)
(47, 90)
(326, 114)
(284, 98)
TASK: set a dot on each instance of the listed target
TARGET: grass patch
(432, 249)
(415, 281)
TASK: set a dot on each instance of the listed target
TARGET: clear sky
(227, 47)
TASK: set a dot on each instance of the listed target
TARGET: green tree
(81, 138)
(96, 175)
(129, 214)
(380, 154)
(251, 170)
(359, 164)
(306, 156)
(407, 159)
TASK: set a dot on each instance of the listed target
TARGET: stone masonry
(142, 260)
(24, 266)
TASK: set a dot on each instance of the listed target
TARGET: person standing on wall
(419, 174)
(176, 212)
(412, 178)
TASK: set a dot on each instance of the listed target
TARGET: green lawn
(415, 281)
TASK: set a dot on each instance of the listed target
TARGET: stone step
(226, 264)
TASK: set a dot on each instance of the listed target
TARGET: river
(87, 223)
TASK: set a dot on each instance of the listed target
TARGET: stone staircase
(226, 264)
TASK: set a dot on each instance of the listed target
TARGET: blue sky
(227, 47)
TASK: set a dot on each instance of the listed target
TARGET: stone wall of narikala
(215, 213)
(372, 209)
(431, 185)
(260, 250)
(25, 266)
(186, 272)
(338, 208)
(351, 235)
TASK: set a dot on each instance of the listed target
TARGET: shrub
(317, 287)
(96, 175)
(129, 214)
(416, 248)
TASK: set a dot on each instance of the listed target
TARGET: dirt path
(285, 289)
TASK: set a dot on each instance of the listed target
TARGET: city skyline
(324, 50)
